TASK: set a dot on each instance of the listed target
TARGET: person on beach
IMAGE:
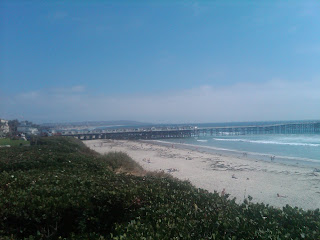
(223, 192)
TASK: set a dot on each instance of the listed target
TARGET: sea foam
(267, 142)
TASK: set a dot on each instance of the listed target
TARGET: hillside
(60, 188)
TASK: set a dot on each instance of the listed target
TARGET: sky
(160, 61)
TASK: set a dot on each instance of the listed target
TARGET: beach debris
(233, 176)
(146, 160)
(283, 196)
(172, 170)
(247, 178)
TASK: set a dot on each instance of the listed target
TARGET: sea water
(303, 149)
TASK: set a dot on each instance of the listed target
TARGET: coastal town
(19, 130)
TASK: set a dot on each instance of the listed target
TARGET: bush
(121, 162)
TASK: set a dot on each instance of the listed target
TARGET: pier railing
(289, 128)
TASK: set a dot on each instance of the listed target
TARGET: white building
(4, 127)
(28, 130)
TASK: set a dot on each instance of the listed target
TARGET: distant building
(4, 128)
(23, 137)
(23, 124)
(28, 130)
(48, 132)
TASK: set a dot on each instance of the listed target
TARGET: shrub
(121, 162)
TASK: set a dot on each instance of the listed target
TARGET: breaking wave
(268, 142)
(202, 140)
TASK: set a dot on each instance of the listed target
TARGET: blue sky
(169, 61)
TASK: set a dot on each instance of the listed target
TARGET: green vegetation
(59, 189)
(8, 141)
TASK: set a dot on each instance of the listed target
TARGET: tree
(13, 125)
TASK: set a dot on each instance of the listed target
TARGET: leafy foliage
(60, 188)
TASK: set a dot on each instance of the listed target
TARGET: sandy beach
(268, 182)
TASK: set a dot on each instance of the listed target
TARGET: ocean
(303, 149)
(293, 149)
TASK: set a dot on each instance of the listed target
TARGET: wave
(202, 140)
(225, 150)
(268, 142)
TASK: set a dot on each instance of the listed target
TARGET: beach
(270, 183)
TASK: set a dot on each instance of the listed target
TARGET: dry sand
(271, 183)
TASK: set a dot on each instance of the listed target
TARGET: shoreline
(286, 160)
(271, 183)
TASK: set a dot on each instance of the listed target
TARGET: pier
(184, 132)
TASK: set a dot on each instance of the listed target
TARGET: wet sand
(268, 182)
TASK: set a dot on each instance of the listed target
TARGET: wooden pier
(289, 128)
